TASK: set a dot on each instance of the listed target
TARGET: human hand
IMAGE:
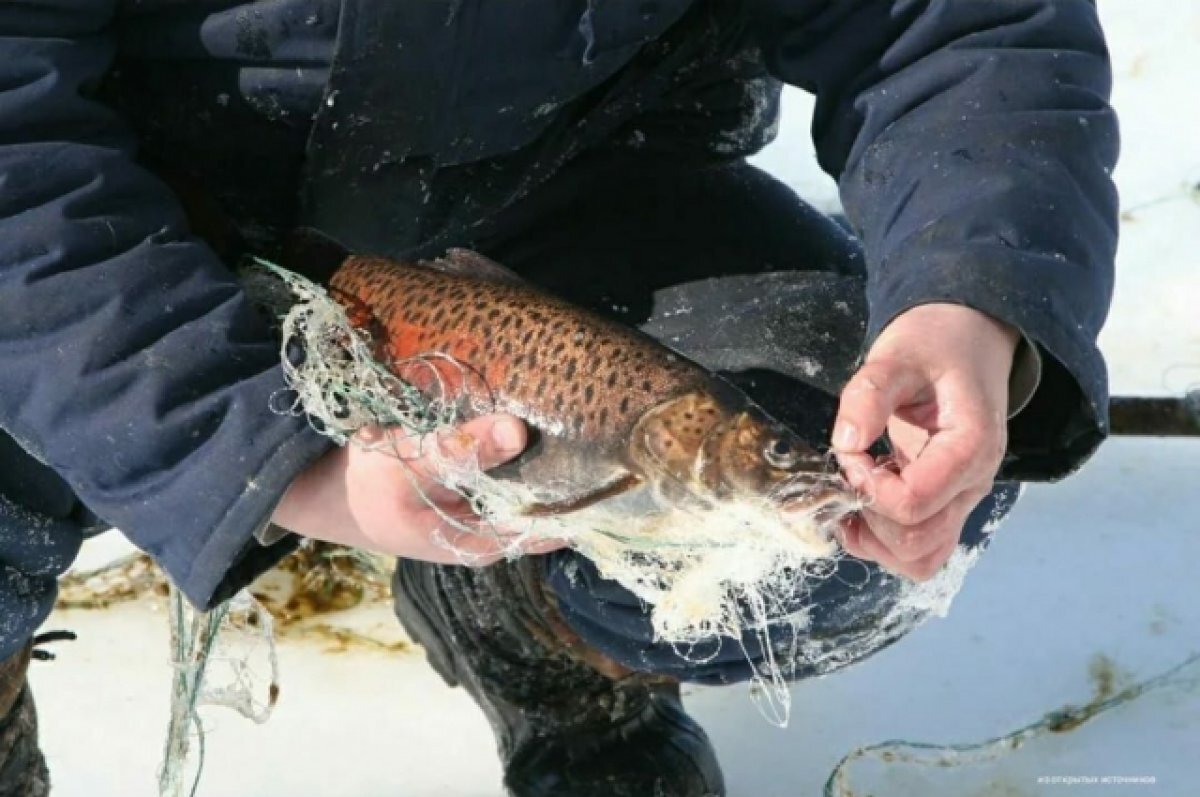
(382, 496)
(937, 380)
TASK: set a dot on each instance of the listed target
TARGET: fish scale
(525, 352)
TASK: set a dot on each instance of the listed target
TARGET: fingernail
(507, 436)
(845, 436)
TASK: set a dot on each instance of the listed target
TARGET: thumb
(494, 439)
(871, 398)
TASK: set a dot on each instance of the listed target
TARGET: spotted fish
(616, 415)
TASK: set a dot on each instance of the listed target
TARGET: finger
(928, 567)
(543, 546)
(858, 470)
(953, 462)
(497, 438)
(920, 562)
(907, 440)
(949, 464)
(485, 442)
(478, 444)
(916, 542)
(871, 397)
(396, 457)
(908, 543)
(848, 535)
(872, 550)
(467, 544)
(866, 546)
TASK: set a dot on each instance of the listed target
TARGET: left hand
(936, 380)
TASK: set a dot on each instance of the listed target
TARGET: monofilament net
(734, 569)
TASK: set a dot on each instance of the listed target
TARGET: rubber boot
(22, 768)
(569, 722)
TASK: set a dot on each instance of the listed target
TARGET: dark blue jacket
(971, 139)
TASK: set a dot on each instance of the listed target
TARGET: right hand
(382, 496)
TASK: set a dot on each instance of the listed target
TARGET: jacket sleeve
(133, 364)
(972, 141)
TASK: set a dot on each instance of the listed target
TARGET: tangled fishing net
(227, 657)
(730, 570)
(219, 658)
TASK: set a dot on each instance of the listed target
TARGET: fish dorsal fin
(466, 263)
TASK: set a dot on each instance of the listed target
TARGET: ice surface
(1099, 568)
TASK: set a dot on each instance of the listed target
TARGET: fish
(617, 418)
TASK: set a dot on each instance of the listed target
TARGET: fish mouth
(814, 505)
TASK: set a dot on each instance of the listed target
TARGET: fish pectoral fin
(466, 263)
(621, 484)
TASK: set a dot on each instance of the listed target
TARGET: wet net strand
(1185, 675)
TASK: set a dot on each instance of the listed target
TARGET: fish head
(708, 446)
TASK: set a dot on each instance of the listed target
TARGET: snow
(1094, 574)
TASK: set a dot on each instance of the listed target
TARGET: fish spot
(624, 404)
(570, 372)
(588, 394)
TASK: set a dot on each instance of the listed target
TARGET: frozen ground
(1100, 570)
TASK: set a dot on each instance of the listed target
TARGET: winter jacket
(972, 142)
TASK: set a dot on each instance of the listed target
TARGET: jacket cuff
(233, 556)
(1058, 389)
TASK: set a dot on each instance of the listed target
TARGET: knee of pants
(851, 614)
(35, 549)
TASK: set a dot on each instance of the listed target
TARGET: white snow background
(1104, 564)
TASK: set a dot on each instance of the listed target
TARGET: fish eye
(781, 454)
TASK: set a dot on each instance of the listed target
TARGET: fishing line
(230, 637)
(1185, 675)
(227, 657)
